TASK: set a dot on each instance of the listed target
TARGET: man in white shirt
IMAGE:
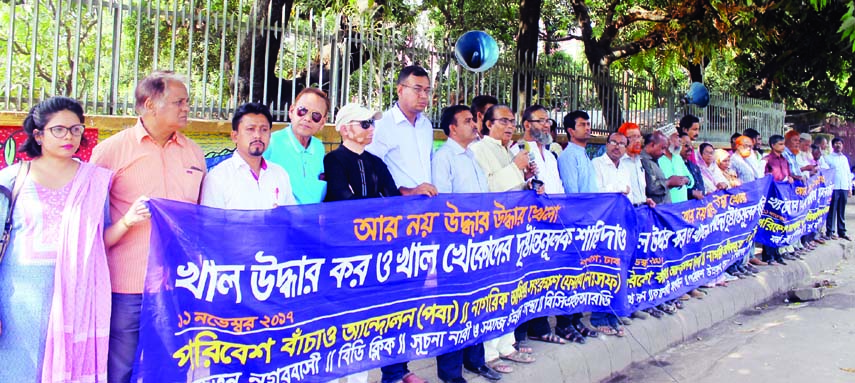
(505, 172)
(611, 176)
(537, 138)
(403, 138)
(842, 190)
(632, 160)
(246, 181)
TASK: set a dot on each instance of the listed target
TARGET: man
(822, 144)
(151, 159)
(739, 161)
(842, 191)
(351, 172)
(297, 151)
(536, 125)
(691, 126)
(455, 170)
(505, 172)
(791, 149)
(779, 168)
(479, 107)
(756, 159)
(404, 137)
(578, 175)
(697, 191)
(657, 184)
(611, 176)
(575, 167)
(672, 165)
(632, 159)
(556, 147)
(246, 181)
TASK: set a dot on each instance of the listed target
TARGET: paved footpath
(777, 341)
(740, 333)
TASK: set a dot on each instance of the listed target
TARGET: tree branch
(545, 38)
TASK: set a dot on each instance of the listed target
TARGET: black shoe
(780, 261)
(455, 380)
(752, 268)
(788, 256)
(846, 237)
(486, 371)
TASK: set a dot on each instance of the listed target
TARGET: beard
(633, 149)
(675, 149)
(542, 138)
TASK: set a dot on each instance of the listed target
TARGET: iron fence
(231, 52)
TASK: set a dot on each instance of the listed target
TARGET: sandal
(523, 347)
(607, 330)
(548, 338)
(656, 313)
(570, 334)
(503, 368)
(667, 309)
(620, 332)
(585, 331)
(519, 357)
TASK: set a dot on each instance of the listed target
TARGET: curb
(601, 358)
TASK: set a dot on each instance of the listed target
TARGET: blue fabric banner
(314, 292)
(687, 245)
(795, 209)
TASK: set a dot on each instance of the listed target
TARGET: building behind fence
(96, 51)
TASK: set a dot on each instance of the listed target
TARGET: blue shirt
(577, 171)
(454, 170)
(793, 161)
(305, 166)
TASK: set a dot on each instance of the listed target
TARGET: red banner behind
(13, 137)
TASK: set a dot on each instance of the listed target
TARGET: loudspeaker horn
(697, 95)
(476, 51)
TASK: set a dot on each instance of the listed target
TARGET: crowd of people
(80, 231)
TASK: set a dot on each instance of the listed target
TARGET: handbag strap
(17, 185)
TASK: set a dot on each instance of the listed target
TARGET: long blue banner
(795, 209)
(315, 292)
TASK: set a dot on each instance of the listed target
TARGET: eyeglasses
(419, 90)
(316, 116)
(619, 144)
(60, 131)
(544, 121)
(367, 124)
(505, 121)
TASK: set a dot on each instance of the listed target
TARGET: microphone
(523, 145)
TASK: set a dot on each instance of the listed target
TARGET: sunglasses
(316, 116)
(367, 124)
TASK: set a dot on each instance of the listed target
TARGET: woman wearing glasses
(54, 281)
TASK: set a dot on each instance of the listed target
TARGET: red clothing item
(777, 166)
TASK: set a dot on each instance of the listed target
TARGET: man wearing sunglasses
(351, 172)
(297, 151)
(404, 137)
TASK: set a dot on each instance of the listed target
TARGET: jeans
(837, 210)
(124, 336)
(394, 372)
(449, 366)
(473, 356)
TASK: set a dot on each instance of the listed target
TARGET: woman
(722, 160)
(54, 281)
(713, 179)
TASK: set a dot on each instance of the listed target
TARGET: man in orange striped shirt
(151, 159)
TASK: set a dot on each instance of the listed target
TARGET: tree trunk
(253, 46)
(526, 52)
